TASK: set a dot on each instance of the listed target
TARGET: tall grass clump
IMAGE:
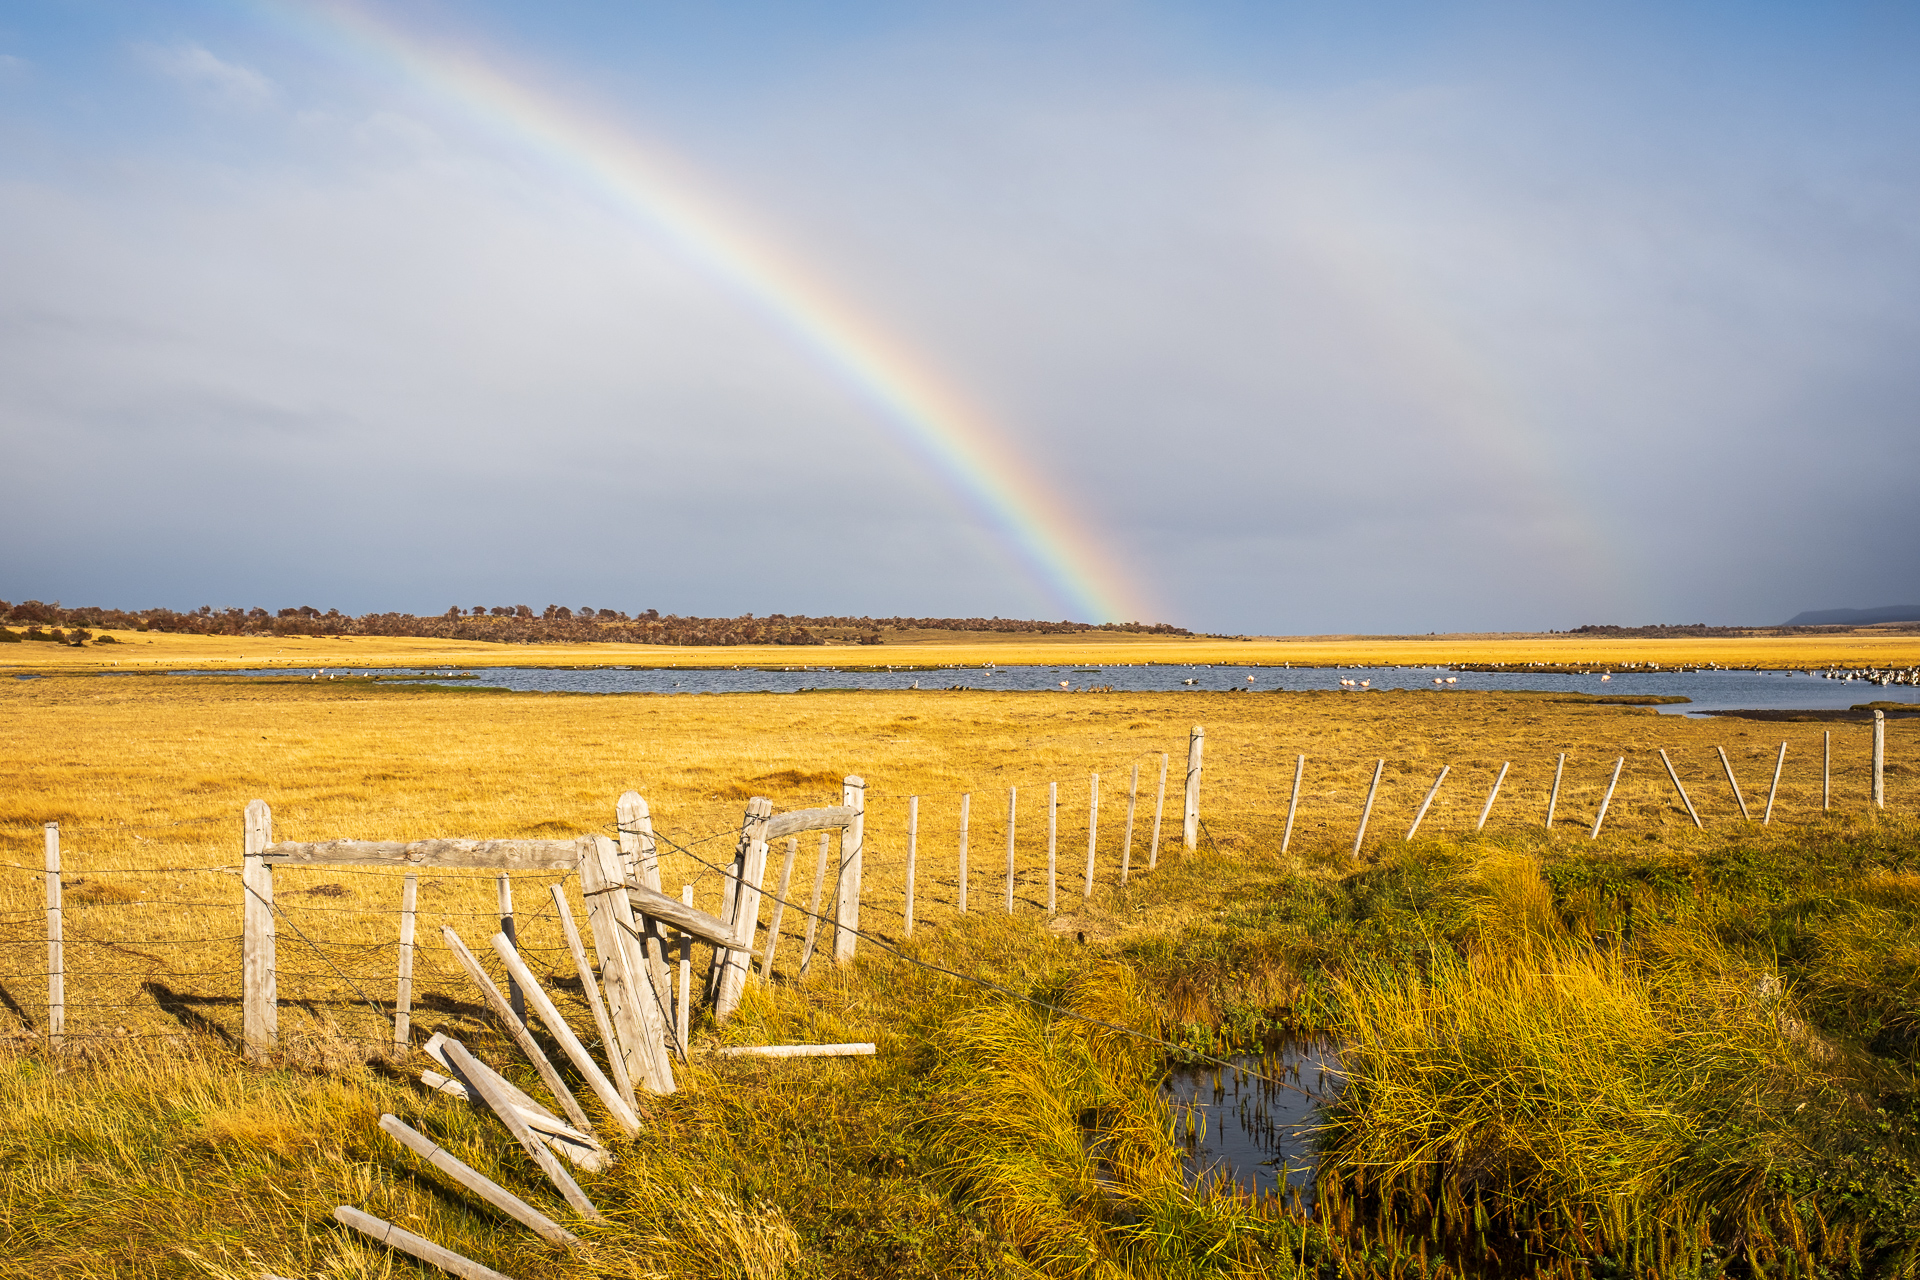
(1053, 1127)
(1533, 1099)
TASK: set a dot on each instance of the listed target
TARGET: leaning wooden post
(1196, 748)
(913, 852)
(478, 1183)
(623, 1115)
(1053, 834)
(516, 998)
(491, 1094)
(779, 906)
(1826, 771)
(260, 1008)
(1010, 820)
(1126, 842)
(56, 947)
(403, 989)
(1159, 804)
(1774, 790)
(591, 990)
(1608, 798)
(1492, 795)
(1553, 797)
(966, 802)
(846, 920)
(813, 907)
(1879, 759)
(1293, 801)
(517, 1030)
(1379, 766)
(1418, 817)
(1093, 833)
(1675, 775)
(1734, 783)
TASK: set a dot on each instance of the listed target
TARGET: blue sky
(1320, 319)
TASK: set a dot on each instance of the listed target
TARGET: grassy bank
(1663, 1052)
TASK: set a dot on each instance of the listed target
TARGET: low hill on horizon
(1855, 617)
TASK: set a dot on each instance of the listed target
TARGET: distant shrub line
(519, 624)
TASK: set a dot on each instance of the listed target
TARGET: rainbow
(1059, 549)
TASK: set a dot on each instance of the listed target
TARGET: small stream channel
(1256, 1130)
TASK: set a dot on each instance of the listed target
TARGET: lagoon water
(1256, 1131)
(1709, 690)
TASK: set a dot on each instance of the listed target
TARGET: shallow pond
(1256, 1130)
(1708, 690)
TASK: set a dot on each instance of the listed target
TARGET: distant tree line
(519, 624)
(1684, 631)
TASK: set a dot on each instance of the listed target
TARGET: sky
(1254, 318)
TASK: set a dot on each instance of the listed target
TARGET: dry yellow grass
(152, 772)
(139, 651)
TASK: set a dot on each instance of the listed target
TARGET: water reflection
(1256, 1130)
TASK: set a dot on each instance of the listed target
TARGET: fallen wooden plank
(516, 1029)
(556, 1133)
(555, 1171)
(475, 1181)
(797, 1051)
(384, 1232)
(504, 855)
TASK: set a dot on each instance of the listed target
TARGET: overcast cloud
(1418, 320)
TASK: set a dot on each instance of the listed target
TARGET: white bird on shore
(1606, 677)
(1453, 679)
(1063, 683)
(1437, 680)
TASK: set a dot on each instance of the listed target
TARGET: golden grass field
(166, 1157)
(153, 771)
(135, 651)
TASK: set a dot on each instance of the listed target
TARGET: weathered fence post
(640, 858)
(913, 851)
(1010, 819)
(1293, 801)
(259, 1000)
(56, 947)
(1826, 771)
(1492, 795)
(1732, 782)
(734, 964)
(1196, 748)
(1420, 816)
(1608, 798)
(403, 989)
(1053, 833)
(1674, 774)
(1159, 803)
(1093, 833)
(1126, 842)
(966, 803)
(1774, 790)
(1378, 767)
(516, 998)
(1553, 797)
(639, 1022)
(683, 1023)
(1879, 759)
(846, 920)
